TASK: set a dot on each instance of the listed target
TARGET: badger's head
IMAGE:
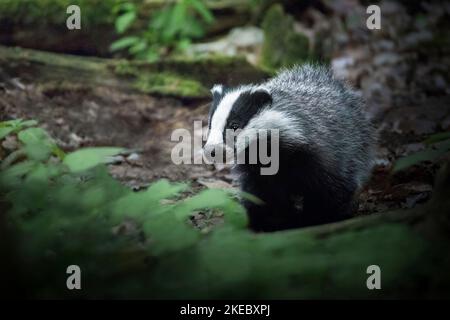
(232, 111)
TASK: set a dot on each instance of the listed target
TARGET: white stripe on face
(219, 118)
(271, 120)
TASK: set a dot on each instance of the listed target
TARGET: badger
(326, 146)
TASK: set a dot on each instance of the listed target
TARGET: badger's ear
(217, 90)
(261, 96)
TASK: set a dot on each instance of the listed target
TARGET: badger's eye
(234, 126)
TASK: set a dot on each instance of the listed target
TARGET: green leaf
(33, 136)
(183, 44)
(145, 204)
(124, 43)
(160, 19)
(192, 29)
(58, 152)
(163, 189)
(177, 20)
(38, 151)
(438, 137)
(424, 155)
(10, 123)
(18, 123)
(124, 21)
(28, 123)
(215, 199)
(87, 158)
(12, 174)
(38, 144)
(204, 12)
(11, 126)
(169, 234)
(138, 47)
(5, 131)
(151, 55)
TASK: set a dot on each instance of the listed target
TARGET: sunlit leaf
(11, 126)
(215, 198)
(123, 43)
(203, 10)
(5, 131)
(38, 143)
(34, 136)
(87, 158)
(138, 47)
(124, 21)
(147, 203)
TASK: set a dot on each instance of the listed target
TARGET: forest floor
(81, 117)
(403, 78)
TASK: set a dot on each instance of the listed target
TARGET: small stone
(133, 157)
(214, 183)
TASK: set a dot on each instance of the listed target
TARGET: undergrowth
(60, 209)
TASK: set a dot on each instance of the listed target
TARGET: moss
(207, 70)
(149, 79)
(170, 85)
(282, 45)
(181, 77)
(194, 75)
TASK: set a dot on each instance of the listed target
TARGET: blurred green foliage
(65, 209)
(283, 47)
(41, 12)
(171, 28)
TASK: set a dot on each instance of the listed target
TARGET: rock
(340, 66)
(214, 183)
(246, 41)
(115, 159)
(133, 157)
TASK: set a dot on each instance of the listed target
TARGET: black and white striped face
(232, 109)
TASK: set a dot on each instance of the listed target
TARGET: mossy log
(178, 77)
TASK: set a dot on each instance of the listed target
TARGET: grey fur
(327, 146)
(331, 117)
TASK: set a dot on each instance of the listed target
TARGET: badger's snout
(214, 153)
(209, 150)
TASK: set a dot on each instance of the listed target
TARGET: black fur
(301, 193)
(320, 172)
(245, 108)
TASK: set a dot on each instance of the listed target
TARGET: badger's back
(328, 117)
